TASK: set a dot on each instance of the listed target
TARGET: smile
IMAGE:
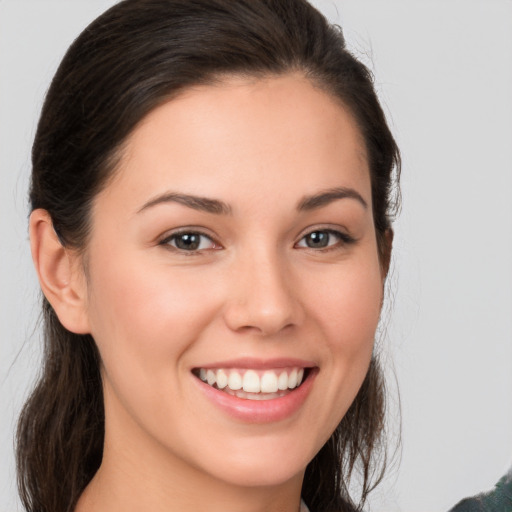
(253, 384)
(257, 391)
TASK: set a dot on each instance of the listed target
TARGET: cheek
(145, 320)
(348, 304)
(144, 317)
(347, 307)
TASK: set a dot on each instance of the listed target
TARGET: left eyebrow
(204, 204)
(328, 196)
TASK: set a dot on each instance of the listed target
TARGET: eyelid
(169, 235)
(344, 237)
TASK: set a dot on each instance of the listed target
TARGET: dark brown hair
(137, 55)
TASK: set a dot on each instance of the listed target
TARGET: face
(236, 246)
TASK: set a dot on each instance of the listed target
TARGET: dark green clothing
(497, 500)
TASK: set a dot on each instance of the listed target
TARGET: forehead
(265, 136)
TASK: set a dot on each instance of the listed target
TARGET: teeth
(292, 379)
(252, 381)
(282, 381)
(210, 377)
(222, 379)
(235, 381)
(269, 382)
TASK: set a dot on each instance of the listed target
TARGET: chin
(263, 466)
(264, 475)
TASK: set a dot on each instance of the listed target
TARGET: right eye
(324, 239)
(189, 241)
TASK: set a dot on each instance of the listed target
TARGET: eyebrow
(195, 202)
(217, 207)
(328, 196)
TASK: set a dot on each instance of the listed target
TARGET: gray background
(444, 74)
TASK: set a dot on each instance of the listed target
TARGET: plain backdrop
(444, 75)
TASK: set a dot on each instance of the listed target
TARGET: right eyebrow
(328, 196)
(204, 204)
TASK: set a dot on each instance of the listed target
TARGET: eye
(190, 241)
(323, 239)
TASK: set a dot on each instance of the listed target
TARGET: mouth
(254, 384)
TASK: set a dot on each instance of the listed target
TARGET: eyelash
(167, 242)
(343, 240)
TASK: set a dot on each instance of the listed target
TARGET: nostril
(251, 320)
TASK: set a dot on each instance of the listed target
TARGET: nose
(263, 297)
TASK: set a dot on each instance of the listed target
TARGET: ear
(60, 273)
(386, 250)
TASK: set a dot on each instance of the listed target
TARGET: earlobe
(60, 276)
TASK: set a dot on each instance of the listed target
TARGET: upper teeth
(252, 381)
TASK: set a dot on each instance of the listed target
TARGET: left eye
(189, 241)
(321, 239)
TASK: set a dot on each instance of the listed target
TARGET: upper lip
(259, 364)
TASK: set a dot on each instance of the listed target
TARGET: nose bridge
(262, 297)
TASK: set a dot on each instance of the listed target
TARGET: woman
(211, 227)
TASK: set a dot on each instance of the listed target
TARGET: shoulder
(497, 500)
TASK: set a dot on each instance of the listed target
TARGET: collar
(303, 507)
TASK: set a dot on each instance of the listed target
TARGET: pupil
(188, 241)
(318, 239)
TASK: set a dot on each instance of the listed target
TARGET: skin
(253, 289)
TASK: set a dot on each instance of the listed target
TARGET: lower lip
(260, 411)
